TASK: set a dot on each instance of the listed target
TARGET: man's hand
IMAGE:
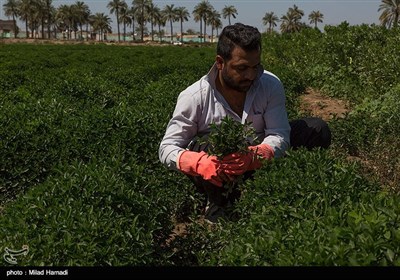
(201, 164)
(239, 163)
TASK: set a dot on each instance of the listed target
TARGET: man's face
(241, 70)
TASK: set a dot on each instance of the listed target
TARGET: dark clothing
(310, 133)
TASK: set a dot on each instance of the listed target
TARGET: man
(236, 86)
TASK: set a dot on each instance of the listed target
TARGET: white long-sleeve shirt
(201, 104)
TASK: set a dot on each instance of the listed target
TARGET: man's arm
(180, 130)
(277, 128)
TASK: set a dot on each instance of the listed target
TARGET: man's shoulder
(269, 76)
(270, 83)
(197, 88)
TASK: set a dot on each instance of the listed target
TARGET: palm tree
(64, 16)
(49, 13)
(53, 22)
(390, 14)
(183, 15)
(315, 17)
(152, 11)
(297, 13)
(170, 13)
(160, 21)
(201, 12)
(229, 11)
(39, 15)
(87, 13)
(101, 24)
(24, 13)
(126, 19)
(141, 7)
(197, 18)
(82, 13)
(42, 14)
(115, 6)
(11, 9)
(271, 20)
(132, 12)
(218, 25)
(291, 21)
(214, 20)
(288, 24)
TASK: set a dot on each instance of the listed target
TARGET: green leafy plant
(229, 137)
(81, 182)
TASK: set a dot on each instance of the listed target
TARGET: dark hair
(245, 36)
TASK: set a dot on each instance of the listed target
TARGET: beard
(241, 86)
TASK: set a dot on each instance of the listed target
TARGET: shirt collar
(212, 75)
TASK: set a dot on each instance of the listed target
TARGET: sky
(251, 12)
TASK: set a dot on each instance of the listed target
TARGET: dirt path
(315, 104)
(375, 164)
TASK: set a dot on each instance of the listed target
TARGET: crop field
(81, 183)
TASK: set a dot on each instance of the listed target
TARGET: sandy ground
(317, 105)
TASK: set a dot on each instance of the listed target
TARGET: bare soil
(375, 164)
(180, 229)
(315, 104)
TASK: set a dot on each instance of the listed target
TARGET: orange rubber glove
(239, 163)
(200, 164)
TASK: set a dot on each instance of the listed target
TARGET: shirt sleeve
(180, 130)
(277, 128)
